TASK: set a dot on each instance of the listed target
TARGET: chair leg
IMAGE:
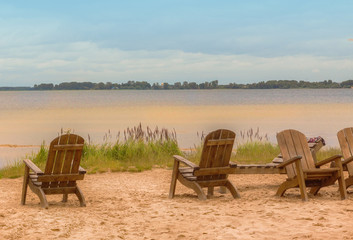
(341, 182)
(194, 186)
(315, 190)
(80, 197)
(25, 185)
(301, 181)
(174, 179)
(43, 198)
(200, 194)
(210, 191)
(285, 186)
(65, 196)
(349, 182)
(40, 193)
(233, 190)
(342, 186)
(222, 190)
(281, 189)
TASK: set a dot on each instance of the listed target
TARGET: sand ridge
(136, 206)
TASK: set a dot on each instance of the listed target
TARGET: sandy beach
(136, 206)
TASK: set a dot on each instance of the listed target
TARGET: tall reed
(136, 149)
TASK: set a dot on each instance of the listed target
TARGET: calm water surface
(83, 99)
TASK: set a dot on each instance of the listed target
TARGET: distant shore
(143, 85)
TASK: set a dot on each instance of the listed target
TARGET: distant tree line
(143, 85)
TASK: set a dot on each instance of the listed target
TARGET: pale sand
(136, 206)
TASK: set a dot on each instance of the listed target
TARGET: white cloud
(85, 61)
(315, 70)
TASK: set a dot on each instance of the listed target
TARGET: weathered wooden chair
(61, 171)
(301, 170)
(213, 168)
(345, 138)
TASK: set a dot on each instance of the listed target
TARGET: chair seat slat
(60, 177)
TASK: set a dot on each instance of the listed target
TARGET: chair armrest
(328, 160)
(232, 164)
(33, 167)
(289, 161)
(347, 160)
(186, 162)
(81, 170)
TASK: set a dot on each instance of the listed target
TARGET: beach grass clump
(137, 150)
(327, 152)
(255, 152)
(246, 153)
(252, 135)
(16, 169)
(253, 147)
(132, 155)
(12, 171)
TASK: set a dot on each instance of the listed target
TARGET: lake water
(88, 99)
(31, 117)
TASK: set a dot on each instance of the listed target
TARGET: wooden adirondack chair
(213, 168)
(301, 170)
(345, 138)
(61, 171)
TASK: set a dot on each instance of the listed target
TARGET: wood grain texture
(293, 144)
(213, 169)
(62, 170)
(345, 139)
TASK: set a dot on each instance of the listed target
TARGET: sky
(174, 41)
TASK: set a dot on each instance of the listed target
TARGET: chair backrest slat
(60, 155)
(77, 159)
(63, 158)
(345, 139)
(68, 159)
(290, 169)
(293, 143)
(303, 150)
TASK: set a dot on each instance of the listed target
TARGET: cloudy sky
(174, 40)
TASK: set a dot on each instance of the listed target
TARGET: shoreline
(18, 146)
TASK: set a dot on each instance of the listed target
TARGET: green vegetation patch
(143, 150)
(140, 150)
(255, 152)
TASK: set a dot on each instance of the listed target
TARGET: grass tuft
(255, 152)
(137, 150)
